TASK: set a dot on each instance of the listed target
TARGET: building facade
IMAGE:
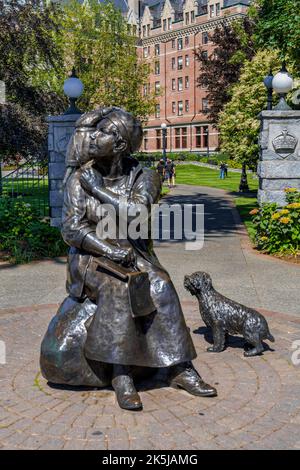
(170, 31)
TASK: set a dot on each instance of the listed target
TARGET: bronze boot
(185, 376)
(123, 385)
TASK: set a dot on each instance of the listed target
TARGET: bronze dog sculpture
(224, 316)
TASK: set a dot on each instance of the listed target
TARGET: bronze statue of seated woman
(105, 326)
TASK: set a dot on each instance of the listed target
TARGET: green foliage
(278, 27)
(27, 47)
(97, 41)
(277, 230)
(24, 236)
(239, 123)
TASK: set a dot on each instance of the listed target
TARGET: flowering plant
(277, 229)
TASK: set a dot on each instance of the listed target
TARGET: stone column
(279, 165)
(59, 133)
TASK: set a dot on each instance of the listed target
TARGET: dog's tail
(270, 337)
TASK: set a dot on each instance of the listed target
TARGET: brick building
(169, 31)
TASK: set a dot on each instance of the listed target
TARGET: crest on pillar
(285, 144)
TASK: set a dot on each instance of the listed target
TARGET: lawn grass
(202, 176)
(33, 191)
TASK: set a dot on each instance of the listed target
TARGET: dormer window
(192, 17)
(169, 23)
(148, 29)
(144, 31)
(212, 11)
(165, 25)
(218, 8)
(187, 18)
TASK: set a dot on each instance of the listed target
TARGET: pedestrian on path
(170, 173)
(222, 171)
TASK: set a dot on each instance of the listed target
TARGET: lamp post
(73, 89)
(282, 83)
(268, 84)
(164, 140)
(244, 188)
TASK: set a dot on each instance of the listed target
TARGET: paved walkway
(258, 401)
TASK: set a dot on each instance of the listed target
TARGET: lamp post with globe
(164, 140)
(282, 83)
(73, 89)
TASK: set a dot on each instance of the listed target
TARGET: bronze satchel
(140, 301)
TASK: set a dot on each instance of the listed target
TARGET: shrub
(24, 236)
(277, 229)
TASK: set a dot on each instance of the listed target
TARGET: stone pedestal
(279, 165)
(60, 131)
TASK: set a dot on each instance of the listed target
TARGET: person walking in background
(222, 171)
(170, 172)
(160, 169)
(225, 170)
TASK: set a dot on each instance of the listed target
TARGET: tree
(221, 69)
(278, 26)
(27, 47)
(96, 39)
(238, 122)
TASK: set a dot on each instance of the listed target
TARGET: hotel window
(165, 25)
(157, 88)
(187, 106)
(186, 81)
(204, 104)
(177, 137)
(179, 63)
(145, 52)
(173, 84)
(205, 136)
(158, 139)
(212, 11)
(148, 29)
(218, 9)
(179, 84)
(173, 107)
(192, 16)
(145, 140)
(157, 110)
(204, 55)
(179, 44)
(198, 136)
(169, 23)
(187, 40)
(184, 137)
(205, 38)
(173, 43)
(180, 108)
(187, 18)
(173, 63)
(187, 61)
(157, 49)
(157, 68)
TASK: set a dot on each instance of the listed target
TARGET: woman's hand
(123, 256)
(90, 179)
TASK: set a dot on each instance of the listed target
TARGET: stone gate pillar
(59, 133)
(279, 165)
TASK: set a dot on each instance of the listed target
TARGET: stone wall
(60, 131)
(279, 165)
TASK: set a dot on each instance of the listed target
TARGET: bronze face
(104, 143)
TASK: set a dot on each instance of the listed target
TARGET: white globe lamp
(73, 89)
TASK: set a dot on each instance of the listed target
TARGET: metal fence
(29, 181)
